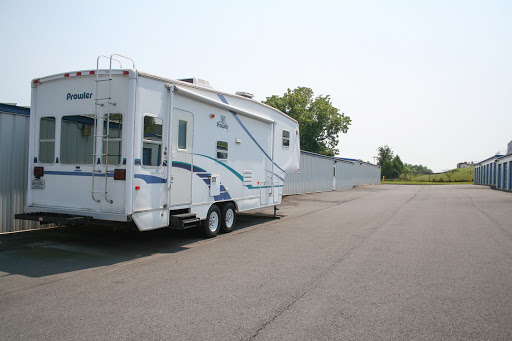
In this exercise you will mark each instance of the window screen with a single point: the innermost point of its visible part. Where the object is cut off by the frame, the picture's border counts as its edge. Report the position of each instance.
(47, 140)
(222, 150)
(286, 138)
(182, 134)
(152, 141)
(77, 139)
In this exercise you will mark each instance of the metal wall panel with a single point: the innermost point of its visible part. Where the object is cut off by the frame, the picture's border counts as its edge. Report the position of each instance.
(366, 174)
(13, 171)
(504, 173)
(344, 175)
(317, 174)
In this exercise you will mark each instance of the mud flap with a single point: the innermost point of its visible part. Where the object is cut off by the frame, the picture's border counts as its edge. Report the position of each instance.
(150, 220)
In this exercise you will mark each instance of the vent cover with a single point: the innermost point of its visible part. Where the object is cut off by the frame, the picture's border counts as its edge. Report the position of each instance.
(196, 81)
(244, 94)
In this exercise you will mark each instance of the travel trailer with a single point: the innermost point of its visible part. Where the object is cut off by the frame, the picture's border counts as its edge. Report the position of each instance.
(122, 145)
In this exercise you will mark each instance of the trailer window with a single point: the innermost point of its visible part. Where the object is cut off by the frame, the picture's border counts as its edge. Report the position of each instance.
(47, 140)
(112, 129)
(152, 141)
(77, 139)
(286, 138)
(182, 134)
(222, 150)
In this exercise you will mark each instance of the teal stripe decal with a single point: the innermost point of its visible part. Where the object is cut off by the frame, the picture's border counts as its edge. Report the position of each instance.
(238, 175)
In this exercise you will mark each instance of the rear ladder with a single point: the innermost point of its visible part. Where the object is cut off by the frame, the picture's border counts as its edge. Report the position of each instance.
(104, 136)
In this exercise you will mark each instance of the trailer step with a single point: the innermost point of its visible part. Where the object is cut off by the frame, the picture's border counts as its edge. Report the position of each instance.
(191, 222)
(184, 215)
(184, 221)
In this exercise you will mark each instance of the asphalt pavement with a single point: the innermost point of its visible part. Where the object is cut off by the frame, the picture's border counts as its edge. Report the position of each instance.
(383, 262)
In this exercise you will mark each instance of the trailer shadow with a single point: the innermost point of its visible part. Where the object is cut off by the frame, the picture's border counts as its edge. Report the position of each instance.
(47, 252)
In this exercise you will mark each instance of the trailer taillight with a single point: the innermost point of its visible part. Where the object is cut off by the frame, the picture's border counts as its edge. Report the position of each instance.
(120, 174)
(38, 172)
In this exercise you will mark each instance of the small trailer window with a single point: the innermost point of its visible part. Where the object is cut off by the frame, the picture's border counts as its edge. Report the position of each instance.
(77, 139)
(112, 129)
(182, 134)
(286, 138)
(152, 141)
(47, 140)
(222, 150)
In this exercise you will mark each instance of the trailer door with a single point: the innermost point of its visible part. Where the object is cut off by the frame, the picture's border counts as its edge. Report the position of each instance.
(182, 158)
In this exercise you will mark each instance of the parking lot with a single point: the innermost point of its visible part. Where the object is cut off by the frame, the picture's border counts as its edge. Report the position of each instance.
(383, 262)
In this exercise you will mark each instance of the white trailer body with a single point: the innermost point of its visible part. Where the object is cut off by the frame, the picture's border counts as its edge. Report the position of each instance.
(123, 145)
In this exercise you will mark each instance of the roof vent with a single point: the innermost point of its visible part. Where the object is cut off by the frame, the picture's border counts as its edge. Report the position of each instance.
(197, 81)
(245, 94)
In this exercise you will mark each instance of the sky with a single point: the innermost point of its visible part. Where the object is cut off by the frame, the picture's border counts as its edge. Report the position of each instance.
(430, 79)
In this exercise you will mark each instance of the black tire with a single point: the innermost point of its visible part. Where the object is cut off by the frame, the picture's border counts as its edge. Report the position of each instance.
(228, 218)
(212, 223)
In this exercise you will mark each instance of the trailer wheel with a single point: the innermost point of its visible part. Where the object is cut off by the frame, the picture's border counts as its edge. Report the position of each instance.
(212, 222)
(228, 218)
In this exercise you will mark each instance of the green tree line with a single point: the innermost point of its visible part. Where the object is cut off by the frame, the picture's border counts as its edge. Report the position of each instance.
(392, 166)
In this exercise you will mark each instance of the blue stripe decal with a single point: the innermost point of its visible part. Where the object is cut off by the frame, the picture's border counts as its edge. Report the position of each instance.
(277, 176)
(222, 196)
(75, 173)
(182, 165)
(151, 179)
(199, 170)
(238, 175)
(223, 99)
(205, 176)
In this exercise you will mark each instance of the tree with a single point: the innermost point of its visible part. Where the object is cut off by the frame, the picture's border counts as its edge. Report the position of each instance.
(391, 166)
(385, 155)
(398, 167)
(385, 158)
(406, 174)
(419, 169)
(319, 122)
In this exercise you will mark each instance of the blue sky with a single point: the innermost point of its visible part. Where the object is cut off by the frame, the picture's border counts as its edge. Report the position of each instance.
(431, 79)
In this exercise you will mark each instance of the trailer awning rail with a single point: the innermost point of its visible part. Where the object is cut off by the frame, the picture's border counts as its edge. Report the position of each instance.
(204, 99)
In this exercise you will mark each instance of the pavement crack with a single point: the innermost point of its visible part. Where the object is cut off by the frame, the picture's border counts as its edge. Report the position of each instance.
(277, 314)
(490, 218)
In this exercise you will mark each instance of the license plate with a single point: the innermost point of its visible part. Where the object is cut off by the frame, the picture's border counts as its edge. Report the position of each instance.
(37, 183)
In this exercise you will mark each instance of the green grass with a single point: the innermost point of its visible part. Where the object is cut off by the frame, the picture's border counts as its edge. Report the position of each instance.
(461, 176)
(403, 182)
